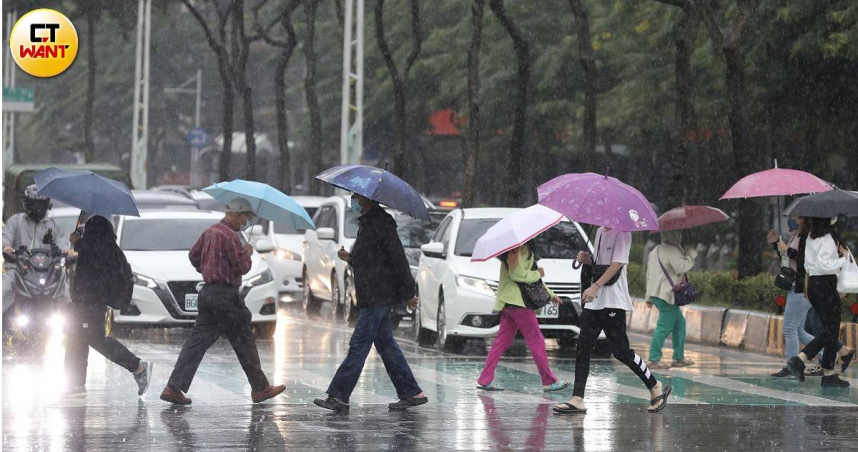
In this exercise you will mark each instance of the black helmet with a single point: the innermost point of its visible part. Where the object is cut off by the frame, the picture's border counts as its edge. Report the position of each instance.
(35, 205)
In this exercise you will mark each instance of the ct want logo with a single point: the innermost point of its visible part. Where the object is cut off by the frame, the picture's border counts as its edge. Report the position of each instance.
(43, 43)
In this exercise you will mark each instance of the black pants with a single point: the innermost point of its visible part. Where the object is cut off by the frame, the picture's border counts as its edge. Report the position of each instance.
(613, 321)
(823, 296)
(221, 311)
(87, 330)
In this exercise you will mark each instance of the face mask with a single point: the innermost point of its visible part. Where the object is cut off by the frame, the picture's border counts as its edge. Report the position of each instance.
(355, 206)
(792, 224)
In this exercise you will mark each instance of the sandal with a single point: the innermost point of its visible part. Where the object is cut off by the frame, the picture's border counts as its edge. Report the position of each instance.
(662, 398)
(682, 363)
(658, 365)
(847, 359)
(568, 408)
(490, 387)
(558, 385)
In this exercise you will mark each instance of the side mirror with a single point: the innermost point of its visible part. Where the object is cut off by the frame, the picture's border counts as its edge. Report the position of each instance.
(325, 233)
(264, 246)
(256, 230)
(433, 249)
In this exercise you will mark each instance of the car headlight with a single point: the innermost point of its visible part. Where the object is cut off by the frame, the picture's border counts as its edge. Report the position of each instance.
(286, 254)
(475, 285)
(260, 279)
(144, 281)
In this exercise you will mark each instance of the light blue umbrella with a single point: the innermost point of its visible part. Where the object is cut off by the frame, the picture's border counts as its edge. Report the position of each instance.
(267, 202)
(378, 185)
(87, 191)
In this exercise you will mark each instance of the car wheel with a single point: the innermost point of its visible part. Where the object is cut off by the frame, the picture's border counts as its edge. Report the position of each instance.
(336, 305)
(394, 318)
(110, 325)
(567, 342)
(265, 330)
(310, 303)
(350, 302)
(445, 342)
(423, 336)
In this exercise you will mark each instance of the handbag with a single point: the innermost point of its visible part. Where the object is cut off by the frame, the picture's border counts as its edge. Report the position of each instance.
(684, 293)
(534, 295)
(592, 273)
(785, 278)
(847, 279)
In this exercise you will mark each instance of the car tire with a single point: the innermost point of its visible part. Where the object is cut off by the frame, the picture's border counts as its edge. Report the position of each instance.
(350, 313)
(336, 296)
(111, 328)
(445, 342)
(567, 342)
(395, 318)
(310, 303)
(423, 336)
(265, 330)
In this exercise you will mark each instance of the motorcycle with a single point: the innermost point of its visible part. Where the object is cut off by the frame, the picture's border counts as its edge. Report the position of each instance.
(40, 287)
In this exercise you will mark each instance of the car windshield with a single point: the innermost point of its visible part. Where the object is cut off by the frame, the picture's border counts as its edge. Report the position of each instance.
(560, 242)
(283, 228)
(173, 234)
(413, 232)
(66, 223)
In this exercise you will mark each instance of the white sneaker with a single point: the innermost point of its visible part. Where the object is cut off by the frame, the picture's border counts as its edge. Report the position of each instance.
(74, 392)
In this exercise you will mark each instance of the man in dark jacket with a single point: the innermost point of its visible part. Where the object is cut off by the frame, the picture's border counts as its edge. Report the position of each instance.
(382, 277)
(101, 272)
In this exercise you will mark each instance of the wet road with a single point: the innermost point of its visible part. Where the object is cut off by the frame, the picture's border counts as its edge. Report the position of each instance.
(726, 402)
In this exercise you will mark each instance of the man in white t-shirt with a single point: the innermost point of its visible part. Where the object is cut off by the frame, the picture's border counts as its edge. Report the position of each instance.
(605, 307)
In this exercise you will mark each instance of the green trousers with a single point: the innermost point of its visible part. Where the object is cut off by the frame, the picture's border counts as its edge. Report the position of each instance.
(670, 322)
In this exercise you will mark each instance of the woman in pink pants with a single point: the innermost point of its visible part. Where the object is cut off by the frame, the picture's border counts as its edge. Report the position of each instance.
(517, 268)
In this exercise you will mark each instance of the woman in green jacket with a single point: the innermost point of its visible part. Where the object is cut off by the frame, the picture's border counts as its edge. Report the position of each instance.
(517, 268)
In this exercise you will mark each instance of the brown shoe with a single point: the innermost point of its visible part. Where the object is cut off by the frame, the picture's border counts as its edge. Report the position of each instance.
(267, 393)
(174, 396)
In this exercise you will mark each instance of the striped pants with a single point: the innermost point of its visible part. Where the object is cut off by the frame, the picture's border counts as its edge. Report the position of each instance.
(613, 321)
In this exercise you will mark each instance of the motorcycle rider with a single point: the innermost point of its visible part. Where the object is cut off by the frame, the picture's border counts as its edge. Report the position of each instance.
(30, 228)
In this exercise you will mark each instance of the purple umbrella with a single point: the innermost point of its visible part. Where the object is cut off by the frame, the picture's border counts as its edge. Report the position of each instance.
(598, 200)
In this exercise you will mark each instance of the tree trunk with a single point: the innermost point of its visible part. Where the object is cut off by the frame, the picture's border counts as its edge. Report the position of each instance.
(228, 105)
(283, 122)
(315, 145)
(473, 150)
(400, 117)
(249, 131)
(685, 35)
(748, 217)
(588, 66)
(89, 119)
(514, 173)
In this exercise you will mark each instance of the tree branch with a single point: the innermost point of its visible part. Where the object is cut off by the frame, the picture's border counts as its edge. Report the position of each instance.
(416, 36)
(284, 16)
(737, 26)
(209, 37)
(685, 5)
(712, 26)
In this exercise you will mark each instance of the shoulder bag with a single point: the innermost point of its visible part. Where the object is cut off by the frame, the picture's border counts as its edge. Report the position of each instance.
(683, 293)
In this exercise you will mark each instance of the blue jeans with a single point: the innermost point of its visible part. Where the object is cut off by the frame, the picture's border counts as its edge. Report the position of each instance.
(795, 331)
(373, 327)
(813, 324)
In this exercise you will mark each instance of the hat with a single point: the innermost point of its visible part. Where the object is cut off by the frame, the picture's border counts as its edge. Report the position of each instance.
(239, 205)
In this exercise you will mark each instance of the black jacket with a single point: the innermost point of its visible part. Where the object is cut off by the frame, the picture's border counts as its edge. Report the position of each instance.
(382, 275)
(102, 270)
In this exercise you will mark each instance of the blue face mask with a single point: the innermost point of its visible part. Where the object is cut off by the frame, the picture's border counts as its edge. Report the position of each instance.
(355, 206)
(792, 224)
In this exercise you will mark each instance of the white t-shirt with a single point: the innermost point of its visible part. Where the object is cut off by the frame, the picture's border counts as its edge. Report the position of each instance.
(613, 246)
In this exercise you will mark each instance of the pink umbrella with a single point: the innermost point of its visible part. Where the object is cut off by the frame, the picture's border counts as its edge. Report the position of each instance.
(598, 200)
(687, 217)
(776, 182)
(514, 230)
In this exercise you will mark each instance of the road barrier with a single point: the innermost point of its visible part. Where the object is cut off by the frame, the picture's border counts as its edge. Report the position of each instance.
(849, 334)
(703, 324)
(776, 345)
(735, 324)
(757, 331)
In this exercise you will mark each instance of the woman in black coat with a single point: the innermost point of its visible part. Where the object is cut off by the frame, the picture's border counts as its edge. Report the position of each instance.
(102, 273)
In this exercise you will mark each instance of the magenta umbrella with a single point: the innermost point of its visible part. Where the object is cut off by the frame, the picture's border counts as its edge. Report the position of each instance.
(776, 182)
(687, 217)
(598, 200)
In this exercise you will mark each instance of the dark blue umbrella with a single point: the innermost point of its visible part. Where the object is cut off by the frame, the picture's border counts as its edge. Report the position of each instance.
(87, 191)
(378, 185)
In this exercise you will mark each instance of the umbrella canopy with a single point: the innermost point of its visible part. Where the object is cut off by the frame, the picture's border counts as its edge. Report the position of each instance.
(514, 230)
(776, 182)
(834, 203)
(87, 191)
(687, 217)
(378, 185)
(598, 200)
(266, 201)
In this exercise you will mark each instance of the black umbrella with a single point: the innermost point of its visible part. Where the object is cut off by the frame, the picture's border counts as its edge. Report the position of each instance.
(834, 203)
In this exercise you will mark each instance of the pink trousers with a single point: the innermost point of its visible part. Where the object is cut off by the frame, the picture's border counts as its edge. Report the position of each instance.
(513, 319)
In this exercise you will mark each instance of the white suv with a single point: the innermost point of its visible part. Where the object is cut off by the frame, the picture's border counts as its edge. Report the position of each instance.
(156, 245)
(457, 296)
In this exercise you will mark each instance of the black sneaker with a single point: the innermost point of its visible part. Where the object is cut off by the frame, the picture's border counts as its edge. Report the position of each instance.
(783, 373)
(332, 403)
(833, 381)
(144, 377)
(796, 367)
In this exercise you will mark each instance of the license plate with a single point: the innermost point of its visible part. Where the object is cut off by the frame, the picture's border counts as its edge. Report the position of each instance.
(549, 311)
(191, 301)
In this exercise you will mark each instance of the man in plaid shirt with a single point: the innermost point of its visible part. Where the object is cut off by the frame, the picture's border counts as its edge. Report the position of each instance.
(222, 260)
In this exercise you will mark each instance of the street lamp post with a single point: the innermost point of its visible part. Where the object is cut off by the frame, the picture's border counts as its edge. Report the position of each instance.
(195, 146)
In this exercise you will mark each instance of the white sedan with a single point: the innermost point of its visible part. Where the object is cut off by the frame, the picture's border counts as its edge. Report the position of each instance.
(166, 284)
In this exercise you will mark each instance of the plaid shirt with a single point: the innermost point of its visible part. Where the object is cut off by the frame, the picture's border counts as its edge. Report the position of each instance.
(218, 255)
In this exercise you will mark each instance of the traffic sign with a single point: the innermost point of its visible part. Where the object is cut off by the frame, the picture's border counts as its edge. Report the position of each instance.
(18, 99)
(198, 137)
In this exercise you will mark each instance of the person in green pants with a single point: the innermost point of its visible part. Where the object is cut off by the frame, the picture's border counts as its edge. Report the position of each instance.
(676, 260)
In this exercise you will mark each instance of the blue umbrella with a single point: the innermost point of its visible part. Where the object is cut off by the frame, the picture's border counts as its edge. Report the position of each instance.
(378, 185)
(87, 191)
(267, 202)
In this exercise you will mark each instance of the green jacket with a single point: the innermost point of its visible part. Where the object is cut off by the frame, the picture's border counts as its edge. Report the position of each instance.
(519, 271)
